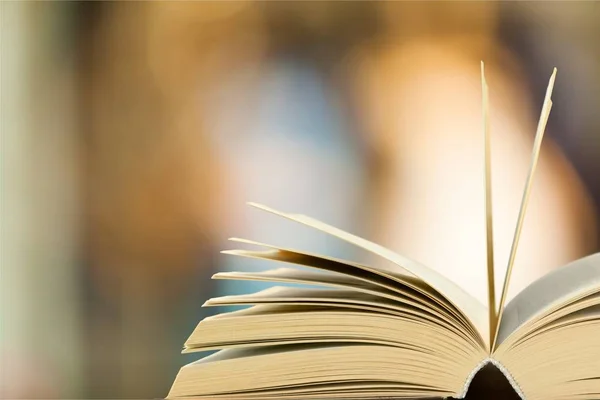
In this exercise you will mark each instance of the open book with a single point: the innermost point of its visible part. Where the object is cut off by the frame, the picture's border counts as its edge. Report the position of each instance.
(406, 332)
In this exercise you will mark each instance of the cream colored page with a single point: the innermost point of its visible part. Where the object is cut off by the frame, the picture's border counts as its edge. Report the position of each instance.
(291, 295)
(328, 279)
(300, 276)
(405, 284)
(467, 304)
(591, 313)
(397, 272)
(291, 275)
(489, 230)
(410, 285)
(537, 145)
(305, 366)
(553, 289)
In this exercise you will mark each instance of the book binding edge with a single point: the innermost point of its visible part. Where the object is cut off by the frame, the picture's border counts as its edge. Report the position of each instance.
(502, 369)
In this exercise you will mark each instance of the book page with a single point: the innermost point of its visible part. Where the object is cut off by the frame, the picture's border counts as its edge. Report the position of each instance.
(427, 310)
(299, 370)
(551, 291)
(287, 324)
(559, 361)
(590, 311)
(328, 297)
(537, 145)
(405, 285)
(474, 311)
(323, 262)
(489, 226)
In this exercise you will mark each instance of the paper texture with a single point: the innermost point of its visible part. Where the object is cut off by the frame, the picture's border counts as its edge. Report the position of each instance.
(553, 289)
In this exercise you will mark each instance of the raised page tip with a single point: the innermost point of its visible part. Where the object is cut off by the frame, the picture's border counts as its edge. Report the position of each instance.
(242, 240)
(552, 79)
(262, 207)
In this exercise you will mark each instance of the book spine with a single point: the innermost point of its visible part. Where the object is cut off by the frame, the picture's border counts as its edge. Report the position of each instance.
(500, 367)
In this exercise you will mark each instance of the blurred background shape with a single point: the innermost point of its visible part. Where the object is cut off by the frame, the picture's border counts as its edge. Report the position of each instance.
(289, 117)
(40, 304)
(133, 134)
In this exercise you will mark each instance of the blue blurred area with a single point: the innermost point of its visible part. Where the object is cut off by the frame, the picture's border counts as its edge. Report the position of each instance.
(296, 154)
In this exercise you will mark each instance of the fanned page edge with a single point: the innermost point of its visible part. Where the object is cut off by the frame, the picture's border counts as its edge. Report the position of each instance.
(513, 383)
(470, 307)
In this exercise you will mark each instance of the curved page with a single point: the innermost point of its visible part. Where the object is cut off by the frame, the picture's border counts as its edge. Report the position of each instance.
(467, 304)
(551, 291)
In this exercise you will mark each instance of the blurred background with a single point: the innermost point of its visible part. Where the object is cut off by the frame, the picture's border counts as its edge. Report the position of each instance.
(133, 133)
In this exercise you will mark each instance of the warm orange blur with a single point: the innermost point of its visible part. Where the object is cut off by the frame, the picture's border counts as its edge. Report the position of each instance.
(134, 133)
